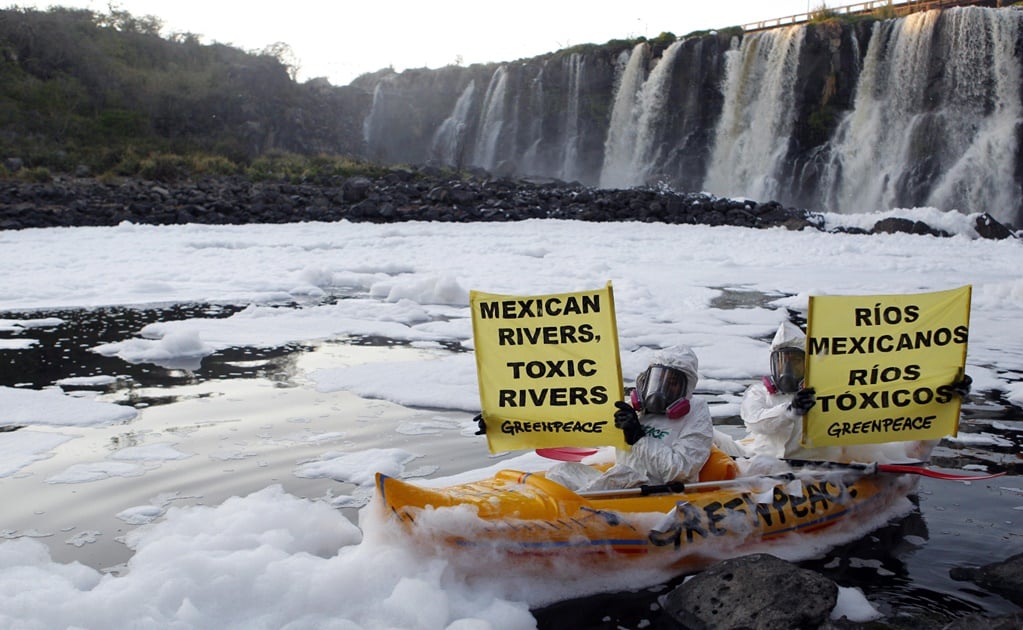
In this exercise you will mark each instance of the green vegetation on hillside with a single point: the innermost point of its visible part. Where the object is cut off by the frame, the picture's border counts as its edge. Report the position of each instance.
(106, 94)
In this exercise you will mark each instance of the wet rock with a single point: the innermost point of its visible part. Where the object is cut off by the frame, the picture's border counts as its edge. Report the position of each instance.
(356, 189)
(987, 227)
(1004, 578)
(973, 622)
(755, 591)
(420, 194)
(894, 225)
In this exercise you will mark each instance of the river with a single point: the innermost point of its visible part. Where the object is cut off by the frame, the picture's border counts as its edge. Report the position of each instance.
(247, 417)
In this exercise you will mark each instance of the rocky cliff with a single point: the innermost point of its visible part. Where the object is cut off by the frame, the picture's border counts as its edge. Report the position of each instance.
(846, 116)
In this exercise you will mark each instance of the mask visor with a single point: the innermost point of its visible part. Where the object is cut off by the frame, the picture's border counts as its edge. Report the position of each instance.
(662, 387)
(787, 365)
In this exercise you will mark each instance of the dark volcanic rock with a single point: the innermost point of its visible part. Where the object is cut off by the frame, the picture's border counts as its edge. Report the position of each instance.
(423, 194)
(1004, 578)
(896, 224)
(756, 591)
(987, 227)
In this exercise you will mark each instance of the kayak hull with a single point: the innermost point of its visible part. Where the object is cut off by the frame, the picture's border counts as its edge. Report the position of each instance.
(517, 512)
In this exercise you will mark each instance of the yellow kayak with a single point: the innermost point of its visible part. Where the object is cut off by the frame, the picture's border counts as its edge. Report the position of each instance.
(524, 513)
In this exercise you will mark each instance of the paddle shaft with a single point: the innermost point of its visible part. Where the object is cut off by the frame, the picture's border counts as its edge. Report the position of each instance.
(913, 468)
(909, 468)
(679, 488)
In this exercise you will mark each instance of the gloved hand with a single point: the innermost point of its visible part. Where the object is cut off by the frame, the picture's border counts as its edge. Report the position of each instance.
(803, 401)
(627, 420)
(962, 386)
(481, 423)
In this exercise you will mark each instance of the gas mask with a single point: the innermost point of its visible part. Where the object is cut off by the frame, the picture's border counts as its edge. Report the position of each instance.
(787, 365)
(661, 390)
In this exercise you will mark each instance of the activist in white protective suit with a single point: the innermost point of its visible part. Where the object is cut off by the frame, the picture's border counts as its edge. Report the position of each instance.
(773, 411)
(670, 433)
(773, 408)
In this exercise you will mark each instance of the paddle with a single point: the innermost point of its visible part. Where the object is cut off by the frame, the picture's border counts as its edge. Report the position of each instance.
(913, 468)
(677, 487)
(565, 453)
(909, 468)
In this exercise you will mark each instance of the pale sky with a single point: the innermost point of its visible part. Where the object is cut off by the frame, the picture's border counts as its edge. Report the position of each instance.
(341, 40)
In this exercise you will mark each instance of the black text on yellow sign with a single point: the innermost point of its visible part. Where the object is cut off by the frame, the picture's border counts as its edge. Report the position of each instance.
(882, 366)
(548, 368)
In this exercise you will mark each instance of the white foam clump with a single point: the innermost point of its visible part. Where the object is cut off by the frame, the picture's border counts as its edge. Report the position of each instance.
(55, 408)
(294, 563)
(176, 349)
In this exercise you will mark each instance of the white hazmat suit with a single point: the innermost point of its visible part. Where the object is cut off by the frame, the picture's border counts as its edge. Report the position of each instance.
(670, 449)
(775, 428)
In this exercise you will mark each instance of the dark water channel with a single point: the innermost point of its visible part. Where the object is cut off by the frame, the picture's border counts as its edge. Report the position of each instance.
(248, 416)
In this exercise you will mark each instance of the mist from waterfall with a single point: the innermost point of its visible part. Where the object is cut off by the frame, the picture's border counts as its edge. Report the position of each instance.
(752, 135)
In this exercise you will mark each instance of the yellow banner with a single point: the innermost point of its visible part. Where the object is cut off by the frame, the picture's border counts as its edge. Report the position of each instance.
(549, 369)
(882, 364)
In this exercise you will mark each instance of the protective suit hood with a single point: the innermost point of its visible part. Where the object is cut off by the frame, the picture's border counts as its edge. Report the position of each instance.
(682, 358)
(788, 358)
(789, 335)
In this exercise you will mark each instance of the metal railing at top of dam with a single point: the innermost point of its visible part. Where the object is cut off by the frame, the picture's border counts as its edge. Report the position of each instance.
(898, 9)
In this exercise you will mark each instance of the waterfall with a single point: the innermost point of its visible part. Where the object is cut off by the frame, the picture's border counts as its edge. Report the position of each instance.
(534, 131)
(752, 135)
(986, 76)
(653, 100)
(632, 148)
(449, 139)
(371, 125)
(923, 110)
(621, 133)
(492, 119)
(570, 142)
(939, 134)
(873, 143)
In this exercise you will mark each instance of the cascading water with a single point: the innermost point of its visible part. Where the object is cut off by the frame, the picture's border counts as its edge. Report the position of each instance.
(531, 161)
(987, 79)
(653, 101)
(449, 140)
(371, 125)
(936, 117)
(871, 146)
(631, 150)
(492, 120)
(752, 135)
(621, 133)
(570, 144)
(920, 110)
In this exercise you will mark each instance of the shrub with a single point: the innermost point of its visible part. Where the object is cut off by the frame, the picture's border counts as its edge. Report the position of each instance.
(822, 14)
(37, 174)
(213, 165)
(164, 167)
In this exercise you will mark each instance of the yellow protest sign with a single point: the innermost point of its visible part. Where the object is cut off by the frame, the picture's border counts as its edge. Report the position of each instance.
(882, 365)
(549, 369)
